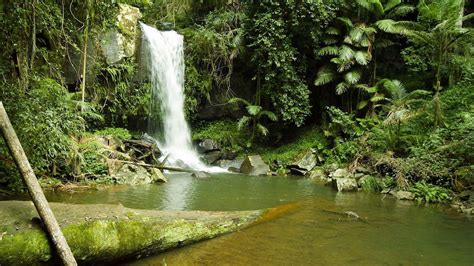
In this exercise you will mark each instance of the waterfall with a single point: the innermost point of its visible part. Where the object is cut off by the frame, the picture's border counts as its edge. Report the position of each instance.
(164, 58)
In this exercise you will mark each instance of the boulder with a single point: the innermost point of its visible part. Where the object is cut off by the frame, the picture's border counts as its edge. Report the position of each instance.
(120, 43)
(306, 161)
(157, 175)
(207, 145)
(228, 155)
(341, 173)
(254, 165)
(201, 175)
(319, 174)
(233, 169)
(226, 164)
(344, 184)
(403, 195)
(132, 174)
(212, 156)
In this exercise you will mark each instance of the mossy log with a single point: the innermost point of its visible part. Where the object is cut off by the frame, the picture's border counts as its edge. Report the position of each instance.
(108, 233)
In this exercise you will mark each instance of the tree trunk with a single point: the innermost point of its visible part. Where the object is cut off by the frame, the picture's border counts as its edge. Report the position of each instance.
(33, 34)
(41, 204)
(84, 58)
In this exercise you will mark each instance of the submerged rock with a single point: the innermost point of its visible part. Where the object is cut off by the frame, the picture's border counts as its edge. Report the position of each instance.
(201, 175)
(254, 165)
(320, 174)
(344, 184)
(99, 233)
(157, 175)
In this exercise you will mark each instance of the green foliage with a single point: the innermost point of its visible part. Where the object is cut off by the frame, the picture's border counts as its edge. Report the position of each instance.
(120, 94)
(120, 133)
(372, 184)
(272, 31)
(306, 139)
(44, 118)
(90, 158)
(225, 132)
(428, 193)
(210, 52)
(255, 114)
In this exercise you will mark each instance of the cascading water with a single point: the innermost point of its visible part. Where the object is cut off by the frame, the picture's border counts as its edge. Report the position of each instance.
(163, 52)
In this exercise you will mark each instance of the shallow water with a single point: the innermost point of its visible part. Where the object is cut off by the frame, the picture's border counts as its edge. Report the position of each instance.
(314, 232)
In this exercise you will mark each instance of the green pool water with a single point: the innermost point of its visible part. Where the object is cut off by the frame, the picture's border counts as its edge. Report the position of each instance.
(314, 233)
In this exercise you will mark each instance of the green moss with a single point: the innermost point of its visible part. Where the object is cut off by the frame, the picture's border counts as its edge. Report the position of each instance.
(109, 240)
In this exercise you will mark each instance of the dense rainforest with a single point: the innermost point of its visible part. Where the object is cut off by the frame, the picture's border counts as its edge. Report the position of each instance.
(381, 87)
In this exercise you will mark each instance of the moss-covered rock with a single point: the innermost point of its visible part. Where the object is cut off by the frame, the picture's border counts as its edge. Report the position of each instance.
(104, 233)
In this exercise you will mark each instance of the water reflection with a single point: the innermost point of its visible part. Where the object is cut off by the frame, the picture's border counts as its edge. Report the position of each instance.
(177, 193)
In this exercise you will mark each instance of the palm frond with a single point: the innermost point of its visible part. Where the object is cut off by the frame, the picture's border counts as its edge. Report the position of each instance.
(333, 31)
(352, 77)
(272, 116)
(377, 98)
(262, 129)
(341, 88)
(391, 4)
(324, 76)
(346, 53)
(328, 50)
(253, 110)
(401, 11)
(239, 100)
(362, 58)
(346, 21)
(243, 122)
(388, 25)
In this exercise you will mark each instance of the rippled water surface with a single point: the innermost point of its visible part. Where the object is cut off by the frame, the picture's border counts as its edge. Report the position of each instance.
(313, 233)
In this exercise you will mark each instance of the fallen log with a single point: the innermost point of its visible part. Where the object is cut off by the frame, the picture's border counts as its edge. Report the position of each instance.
(101, 233)
(175, 169)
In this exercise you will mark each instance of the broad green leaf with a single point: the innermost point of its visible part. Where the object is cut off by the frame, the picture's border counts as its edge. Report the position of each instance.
(362, 105)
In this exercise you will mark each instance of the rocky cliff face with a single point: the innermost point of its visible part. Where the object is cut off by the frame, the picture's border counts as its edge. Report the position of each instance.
(121, 42)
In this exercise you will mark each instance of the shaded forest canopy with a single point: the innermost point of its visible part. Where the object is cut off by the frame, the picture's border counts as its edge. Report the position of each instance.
(379, 83)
